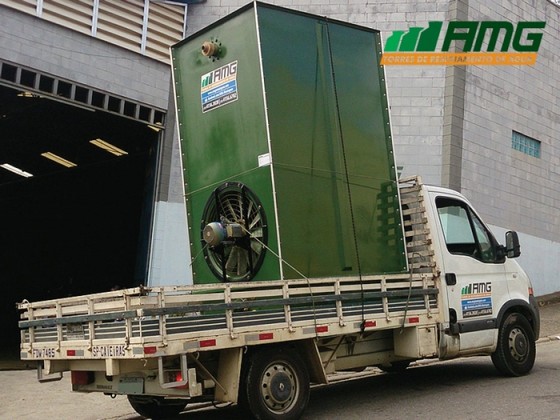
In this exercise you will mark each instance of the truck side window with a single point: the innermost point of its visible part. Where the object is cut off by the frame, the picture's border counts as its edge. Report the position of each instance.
(464, 232)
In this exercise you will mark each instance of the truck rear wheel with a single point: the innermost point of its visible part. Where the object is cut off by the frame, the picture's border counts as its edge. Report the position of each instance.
(515, 352)
(276, 385)
(156, 407)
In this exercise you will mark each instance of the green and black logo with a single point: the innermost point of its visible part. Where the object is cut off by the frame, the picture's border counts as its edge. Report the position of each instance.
(465, 43)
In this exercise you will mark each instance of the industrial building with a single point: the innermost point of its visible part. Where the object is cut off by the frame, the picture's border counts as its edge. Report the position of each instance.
(86, 151)
(91, 194)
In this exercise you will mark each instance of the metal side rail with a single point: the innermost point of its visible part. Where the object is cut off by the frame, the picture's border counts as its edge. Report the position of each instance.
(177, 320)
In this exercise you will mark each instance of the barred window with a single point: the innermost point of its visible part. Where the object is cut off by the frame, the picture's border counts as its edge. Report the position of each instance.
(526, 144)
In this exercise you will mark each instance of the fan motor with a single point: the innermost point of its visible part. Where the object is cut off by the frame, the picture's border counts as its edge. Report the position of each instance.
(215, 233)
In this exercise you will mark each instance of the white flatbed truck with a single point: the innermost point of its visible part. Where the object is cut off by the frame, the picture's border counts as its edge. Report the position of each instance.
(261, 344)
(248, 107)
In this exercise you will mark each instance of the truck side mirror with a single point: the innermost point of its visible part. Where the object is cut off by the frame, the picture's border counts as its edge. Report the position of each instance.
(513, 248)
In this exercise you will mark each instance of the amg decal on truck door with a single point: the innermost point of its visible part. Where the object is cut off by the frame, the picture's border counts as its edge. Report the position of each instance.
(476, 299)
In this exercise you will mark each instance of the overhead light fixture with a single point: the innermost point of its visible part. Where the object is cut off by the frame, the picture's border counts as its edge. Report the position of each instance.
(15, 170)
(58, 159)
(157, 127)
(108, 147)
(27, 94)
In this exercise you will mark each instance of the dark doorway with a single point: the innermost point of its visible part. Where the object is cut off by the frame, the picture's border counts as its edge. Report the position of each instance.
(70, 230)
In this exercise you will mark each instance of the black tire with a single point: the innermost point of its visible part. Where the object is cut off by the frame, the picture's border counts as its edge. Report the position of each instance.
(516, 350)
(395, 367)
(275, 385)
(156, 407)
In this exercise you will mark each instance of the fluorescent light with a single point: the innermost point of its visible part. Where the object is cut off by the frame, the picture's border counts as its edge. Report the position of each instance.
(15, 170)
(108, 147)
(27, 94)
(58, 159)
(157, 127)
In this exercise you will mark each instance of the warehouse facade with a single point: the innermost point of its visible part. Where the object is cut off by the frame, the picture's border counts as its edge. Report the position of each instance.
(99, 70)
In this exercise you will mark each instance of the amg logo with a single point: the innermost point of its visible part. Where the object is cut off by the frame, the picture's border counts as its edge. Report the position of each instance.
(218, 75)
(481, 287)
(477, 288)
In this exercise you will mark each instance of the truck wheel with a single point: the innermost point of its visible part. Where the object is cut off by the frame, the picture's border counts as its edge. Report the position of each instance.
(276, 385)
(156, 407)
(515, 351)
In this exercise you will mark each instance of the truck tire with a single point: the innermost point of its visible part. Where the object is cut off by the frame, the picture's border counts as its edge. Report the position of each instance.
(275, 385)
(515, 351)
(156, 407)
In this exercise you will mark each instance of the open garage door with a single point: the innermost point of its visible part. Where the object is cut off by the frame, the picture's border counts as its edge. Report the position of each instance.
(76, 195)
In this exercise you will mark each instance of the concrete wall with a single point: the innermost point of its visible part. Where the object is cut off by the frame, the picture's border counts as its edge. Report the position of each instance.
(509, 188)
(41, 45)
(507, 185)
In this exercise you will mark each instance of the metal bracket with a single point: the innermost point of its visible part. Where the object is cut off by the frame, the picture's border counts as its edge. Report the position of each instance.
(184, 373)
(43, 377)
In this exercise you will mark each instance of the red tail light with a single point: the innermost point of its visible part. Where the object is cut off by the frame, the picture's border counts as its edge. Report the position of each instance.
(82, 377)
(175, 376)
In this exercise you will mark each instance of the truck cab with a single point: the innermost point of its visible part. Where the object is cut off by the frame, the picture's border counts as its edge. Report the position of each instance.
(488, 296)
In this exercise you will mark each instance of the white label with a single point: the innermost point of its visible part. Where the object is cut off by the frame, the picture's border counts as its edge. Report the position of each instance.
(264, 160)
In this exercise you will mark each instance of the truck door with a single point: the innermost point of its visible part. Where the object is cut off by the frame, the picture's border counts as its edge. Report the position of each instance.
(475, 279)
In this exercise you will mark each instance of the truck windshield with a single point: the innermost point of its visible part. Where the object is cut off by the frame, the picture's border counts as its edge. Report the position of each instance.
(464, 233)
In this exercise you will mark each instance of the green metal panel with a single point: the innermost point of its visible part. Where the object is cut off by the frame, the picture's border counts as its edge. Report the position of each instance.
(331, 177)
(332, 152)
(223, 144)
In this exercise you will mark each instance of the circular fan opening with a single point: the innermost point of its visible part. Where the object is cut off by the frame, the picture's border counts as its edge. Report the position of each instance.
(237, 257)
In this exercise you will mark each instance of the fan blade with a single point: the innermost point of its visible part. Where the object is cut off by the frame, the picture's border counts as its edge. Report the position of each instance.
(242, 262)
(231, 262)
(232, 213)
(257, 247)
(237, 261)
(256, 220)
(257, 233)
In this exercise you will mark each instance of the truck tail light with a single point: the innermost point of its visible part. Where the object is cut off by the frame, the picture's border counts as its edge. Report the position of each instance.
(82, 377)
(172, 376)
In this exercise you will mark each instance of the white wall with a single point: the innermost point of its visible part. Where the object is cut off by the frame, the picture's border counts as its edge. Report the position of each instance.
(170, 262)
(540, 258)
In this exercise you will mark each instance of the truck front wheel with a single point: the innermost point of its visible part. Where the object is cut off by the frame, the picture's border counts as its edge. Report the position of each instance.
(276, 385)
(156, 407)
(515, 352)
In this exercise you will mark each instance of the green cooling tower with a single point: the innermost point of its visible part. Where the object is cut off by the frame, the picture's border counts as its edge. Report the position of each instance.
(287, 151)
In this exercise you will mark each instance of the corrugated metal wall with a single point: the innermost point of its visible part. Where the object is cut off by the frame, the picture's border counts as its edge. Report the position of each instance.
(137, 25)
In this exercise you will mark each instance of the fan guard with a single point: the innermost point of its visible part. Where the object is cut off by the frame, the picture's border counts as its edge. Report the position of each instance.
(233, 231)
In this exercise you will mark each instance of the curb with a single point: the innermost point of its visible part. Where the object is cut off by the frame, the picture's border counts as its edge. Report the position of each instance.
(548, 299)
(549, 338)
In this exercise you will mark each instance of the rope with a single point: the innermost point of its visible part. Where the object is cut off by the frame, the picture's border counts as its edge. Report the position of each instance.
(283, 261)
